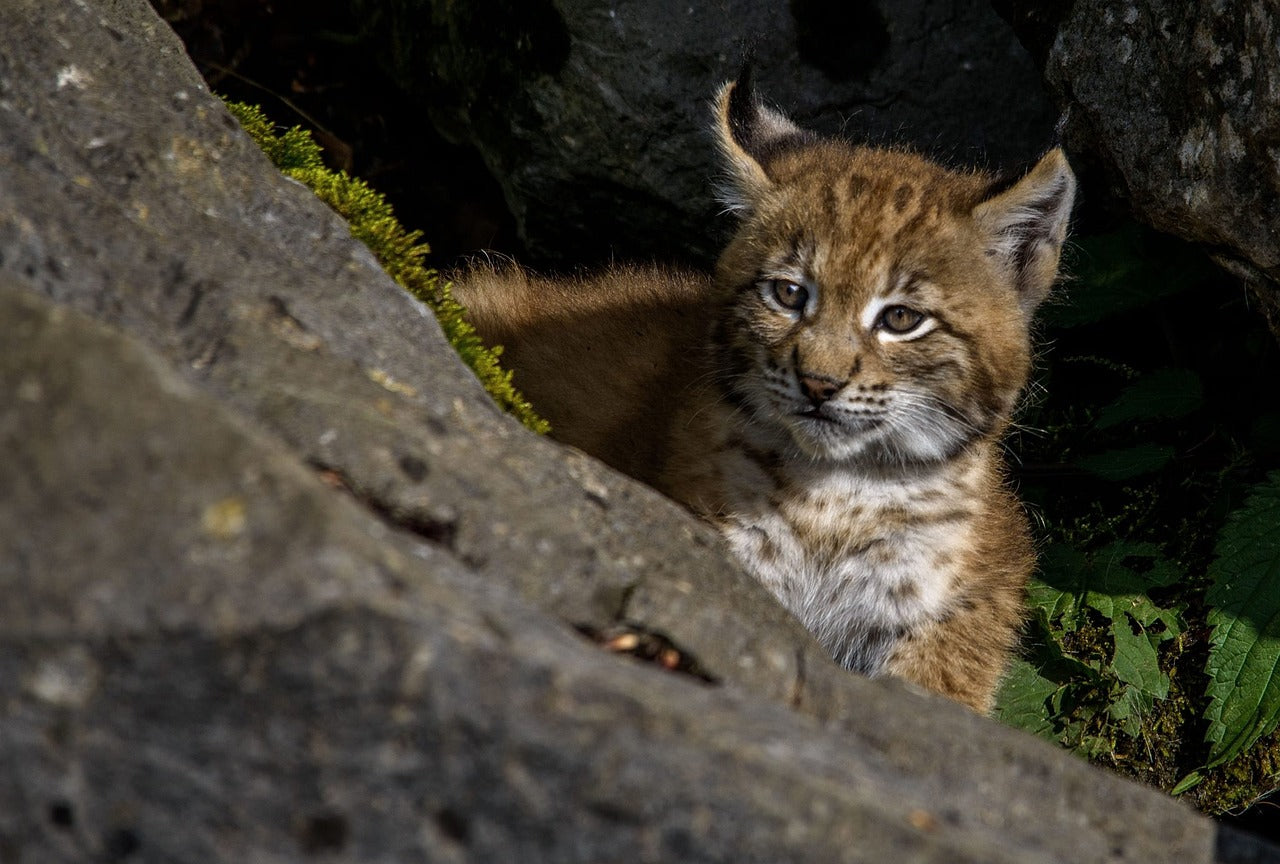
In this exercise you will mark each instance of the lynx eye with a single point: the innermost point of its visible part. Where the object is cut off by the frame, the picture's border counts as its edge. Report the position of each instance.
(788, 294)
(900, 319)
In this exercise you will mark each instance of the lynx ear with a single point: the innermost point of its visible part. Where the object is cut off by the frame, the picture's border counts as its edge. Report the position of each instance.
(1027, 225)
(750, 136)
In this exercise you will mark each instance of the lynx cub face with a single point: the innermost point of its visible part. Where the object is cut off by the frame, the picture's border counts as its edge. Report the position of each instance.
(832, 399)
(881, 303)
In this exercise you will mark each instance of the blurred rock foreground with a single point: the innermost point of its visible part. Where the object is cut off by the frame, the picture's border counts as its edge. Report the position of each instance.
(278, 584)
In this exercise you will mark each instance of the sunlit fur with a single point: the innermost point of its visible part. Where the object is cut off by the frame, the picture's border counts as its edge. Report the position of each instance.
(853, 468)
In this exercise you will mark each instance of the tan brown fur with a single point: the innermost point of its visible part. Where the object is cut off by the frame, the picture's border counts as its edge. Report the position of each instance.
(833, 399)
(599, 356)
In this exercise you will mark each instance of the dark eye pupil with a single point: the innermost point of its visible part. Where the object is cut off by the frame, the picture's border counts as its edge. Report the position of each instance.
(901, 319)
(789, 294)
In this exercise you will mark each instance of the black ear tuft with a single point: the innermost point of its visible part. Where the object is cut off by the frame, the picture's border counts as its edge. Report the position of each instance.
(744, 109)
(750, 136)
(746, 66)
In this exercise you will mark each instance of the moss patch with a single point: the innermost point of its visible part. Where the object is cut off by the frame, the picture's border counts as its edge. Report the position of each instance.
(399, 251)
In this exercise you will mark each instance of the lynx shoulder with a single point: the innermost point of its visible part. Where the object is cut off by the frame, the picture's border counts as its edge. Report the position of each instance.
(833, 397)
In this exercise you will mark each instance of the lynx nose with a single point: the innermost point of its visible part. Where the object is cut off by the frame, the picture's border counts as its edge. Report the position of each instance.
(818, 389)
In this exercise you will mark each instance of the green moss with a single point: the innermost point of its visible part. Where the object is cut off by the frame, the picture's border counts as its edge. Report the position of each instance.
(399, 251)
(1241, 783)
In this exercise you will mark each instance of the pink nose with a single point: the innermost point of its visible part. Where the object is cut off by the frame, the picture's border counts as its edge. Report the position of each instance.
(818, 390)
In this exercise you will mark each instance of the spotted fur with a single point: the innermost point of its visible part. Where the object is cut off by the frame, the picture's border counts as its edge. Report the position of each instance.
(834, 397)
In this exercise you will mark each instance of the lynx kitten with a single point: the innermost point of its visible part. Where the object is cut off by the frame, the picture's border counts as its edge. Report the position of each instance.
(833, 398)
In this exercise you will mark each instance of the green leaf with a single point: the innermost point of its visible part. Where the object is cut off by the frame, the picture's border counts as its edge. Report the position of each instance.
(1129, 709)
(1148, 614)
(1054, 592)
(1135, 661)
(1117, 465)
(1244, 650)
(1186, 784)
(1164, 394)
(1122, 567)
(1264, 432)
(1113, 580)
(1119, 578)
(1022, 700)
(1093, 746)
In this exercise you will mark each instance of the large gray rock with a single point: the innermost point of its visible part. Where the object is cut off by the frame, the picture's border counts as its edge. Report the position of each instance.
(592, 114)
(277, 584)
(1179, 104)
(209, 655)
(277, 309)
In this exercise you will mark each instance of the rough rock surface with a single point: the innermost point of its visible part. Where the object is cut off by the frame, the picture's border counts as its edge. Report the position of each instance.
(593, 114)
(277, 584)
(1179, 103)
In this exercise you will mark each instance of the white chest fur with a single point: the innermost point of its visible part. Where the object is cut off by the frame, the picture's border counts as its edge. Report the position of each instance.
(860, 560)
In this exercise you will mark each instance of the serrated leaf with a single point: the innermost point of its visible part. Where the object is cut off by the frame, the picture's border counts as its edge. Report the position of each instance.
(1264, 432)
(1061, 566)
(1073, 734)
(1125, 464)
(1022, 700)
(1160, 395)
(1093, 746)
(1142, 610)
(1051, 603)
(1128, 568)
(1244, 650)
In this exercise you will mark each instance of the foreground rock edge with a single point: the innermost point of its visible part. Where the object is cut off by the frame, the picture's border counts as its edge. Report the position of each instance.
(367, 667)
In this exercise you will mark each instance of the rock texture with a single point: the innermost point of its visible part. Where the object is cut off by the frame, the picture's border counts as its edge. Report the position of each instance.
(593, 113)
(277, 584)
(1179, 106)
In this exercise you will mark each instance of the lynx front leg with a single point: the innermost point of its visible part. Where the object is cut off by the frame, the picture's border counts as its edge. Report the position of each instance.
(962, 656)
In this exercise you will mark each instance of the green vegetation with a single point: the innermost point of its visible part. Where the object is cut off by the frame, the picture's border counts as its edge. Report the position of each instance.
(1154, 644)
(399, 251)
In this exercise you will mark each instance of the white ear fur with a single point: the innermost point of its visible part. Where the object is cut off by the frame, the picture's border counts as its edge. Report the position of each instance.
(747, 133)
(1027, 225)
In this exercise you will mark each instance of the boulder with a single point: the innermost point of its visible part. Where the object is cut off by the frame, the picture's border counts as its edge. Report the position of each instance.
(278, 584)
(593, 115)
(1177, 105)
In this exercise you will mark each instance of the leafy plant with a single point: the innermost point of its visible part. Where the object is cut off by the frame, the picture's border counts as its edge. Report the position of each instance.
(1099, 671)
(1244, 602)
(399, 251)
(1154, 642)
